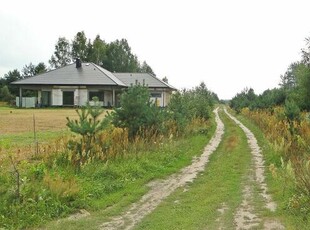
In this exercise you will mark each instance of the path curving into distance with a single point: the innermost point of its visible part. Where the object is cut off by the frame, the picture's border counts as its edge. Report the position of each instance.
(245, 216)
(159, 190)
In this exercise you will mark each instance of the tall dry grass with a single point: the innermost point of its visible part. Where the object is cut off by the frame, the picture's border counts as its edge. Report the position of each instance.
(291, 141)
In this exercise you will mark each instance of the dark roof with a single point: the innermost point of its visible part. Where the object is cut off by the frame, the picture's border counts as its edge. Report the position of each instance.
(92, 74)
(143, 79)
(88, 74)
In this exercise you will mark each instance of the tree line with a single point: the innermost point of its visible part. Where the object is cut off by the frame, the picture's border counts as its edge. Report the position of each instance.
(294, 88)
(115, 56)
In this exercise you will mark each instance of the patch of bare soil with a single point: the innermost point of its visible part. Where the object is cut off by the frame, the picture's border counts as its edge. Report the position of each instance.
(246, 217)
(159, 190)
(81, 214)
(222, 210)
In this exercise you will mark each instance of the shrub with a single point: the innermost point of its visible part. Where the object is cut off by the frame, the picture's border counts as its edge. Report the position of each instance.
(137, 113)
(187, 105)
(292, 114)
(88, 126)
(5, 94)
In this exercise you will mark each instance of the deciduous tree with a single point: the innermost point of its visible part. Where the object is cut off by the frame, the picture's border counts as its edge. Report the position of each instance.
(98, 53)
(62, 54)
(120, 57)
(32, 70)
(79, 47)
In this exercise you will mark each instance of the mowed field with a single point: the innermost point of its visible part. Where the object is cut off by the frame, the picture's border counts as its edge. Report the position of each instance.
(18, 121)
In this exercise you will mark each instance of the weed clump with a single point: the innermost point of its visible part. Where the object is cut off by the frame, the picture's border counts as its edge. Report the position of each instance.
(288, 130)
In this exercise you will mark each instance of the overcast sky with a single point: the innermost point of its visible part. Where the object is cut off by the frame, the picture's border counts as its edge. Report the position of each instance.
(227, 44)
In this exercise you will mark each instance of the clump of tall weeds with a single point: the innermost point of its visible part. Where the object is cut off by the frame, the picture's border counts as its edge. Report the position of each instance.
(288, 130)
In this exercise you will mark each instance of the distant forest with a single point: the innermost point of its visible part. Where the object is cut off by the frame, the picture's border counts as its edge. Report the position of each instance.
(293, 90)
(115, 56)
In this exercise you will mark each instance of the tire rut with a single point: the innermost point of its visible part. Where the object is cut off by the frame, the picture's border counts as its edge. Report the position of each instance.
(159, 190)
(246, 217)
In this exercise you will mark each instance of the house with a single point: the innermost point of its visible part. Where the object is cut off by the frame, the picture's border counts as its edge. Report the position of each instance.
(78, 83)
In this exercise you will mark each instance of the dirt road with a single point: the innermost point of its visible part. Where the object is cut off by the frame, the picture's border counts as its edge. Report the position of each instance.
(161, 189)
(245, 217)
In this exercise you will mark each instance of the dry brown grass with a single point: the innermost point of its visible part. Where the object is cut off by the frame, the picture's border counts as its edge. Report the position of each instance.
(16, 128)
(15, 121)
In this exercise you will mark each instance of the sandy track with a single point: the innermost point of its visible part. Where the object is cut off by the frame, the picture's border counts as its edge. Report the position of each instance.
(159, 190)
(246, 217)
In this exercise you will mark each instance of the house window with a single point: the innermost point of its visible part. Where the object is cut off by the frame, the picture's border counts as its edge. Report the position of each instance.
(99, 94)
(156, 95)
(46, 99)
(68, 97)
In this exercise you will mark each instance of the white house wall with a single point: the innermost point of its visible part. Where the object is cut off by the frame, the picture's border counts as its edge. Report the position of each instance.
(83, 97)
(167, 96)
(57, 97)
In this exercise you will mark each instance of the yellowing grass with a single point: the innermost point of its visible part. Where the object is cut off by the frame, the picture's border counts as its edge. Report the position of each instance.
(16, 121)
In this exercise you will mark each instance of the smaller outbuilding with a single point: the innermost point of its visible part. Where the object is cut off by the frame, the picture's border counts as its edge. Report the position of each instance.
(78, 83)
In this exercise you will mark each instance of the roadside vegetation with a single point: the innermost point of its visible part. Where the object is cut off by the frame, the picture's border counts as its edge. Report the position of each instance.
(282, 114)
(211, 200)
(280, 179)
(107, 160)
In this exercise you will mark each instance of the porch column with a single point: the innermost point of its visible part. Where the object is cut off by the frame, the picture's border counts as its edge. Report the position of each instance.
(39, 98)
(20, 97)
(113, 97)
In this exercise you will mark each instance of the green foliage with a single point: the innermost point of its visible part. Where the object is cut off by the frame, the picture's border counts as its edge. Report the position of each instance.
(292, 111)
(145, 68)
(268, 99)
(288, 80)
(52, 189)
(5, 94)
(62, 54)
(306, 52)
(79, 47)
(32, 70)
(115, 56)
(10, 77)
(302, 92)
(187, 105)
(88, 126)
(39, 199)
(137, 113)
(202, 101)
(97, 51)
(244, 99)
(178, 108)
(120, 58)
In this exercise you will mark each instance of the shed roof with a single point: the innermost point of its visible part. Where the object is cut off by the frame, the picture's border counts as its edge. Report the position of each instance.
(87, 74)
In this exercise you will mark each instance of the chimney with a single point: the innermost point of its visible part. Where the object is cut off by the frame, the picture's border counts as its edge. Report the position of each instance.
(78, 63)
